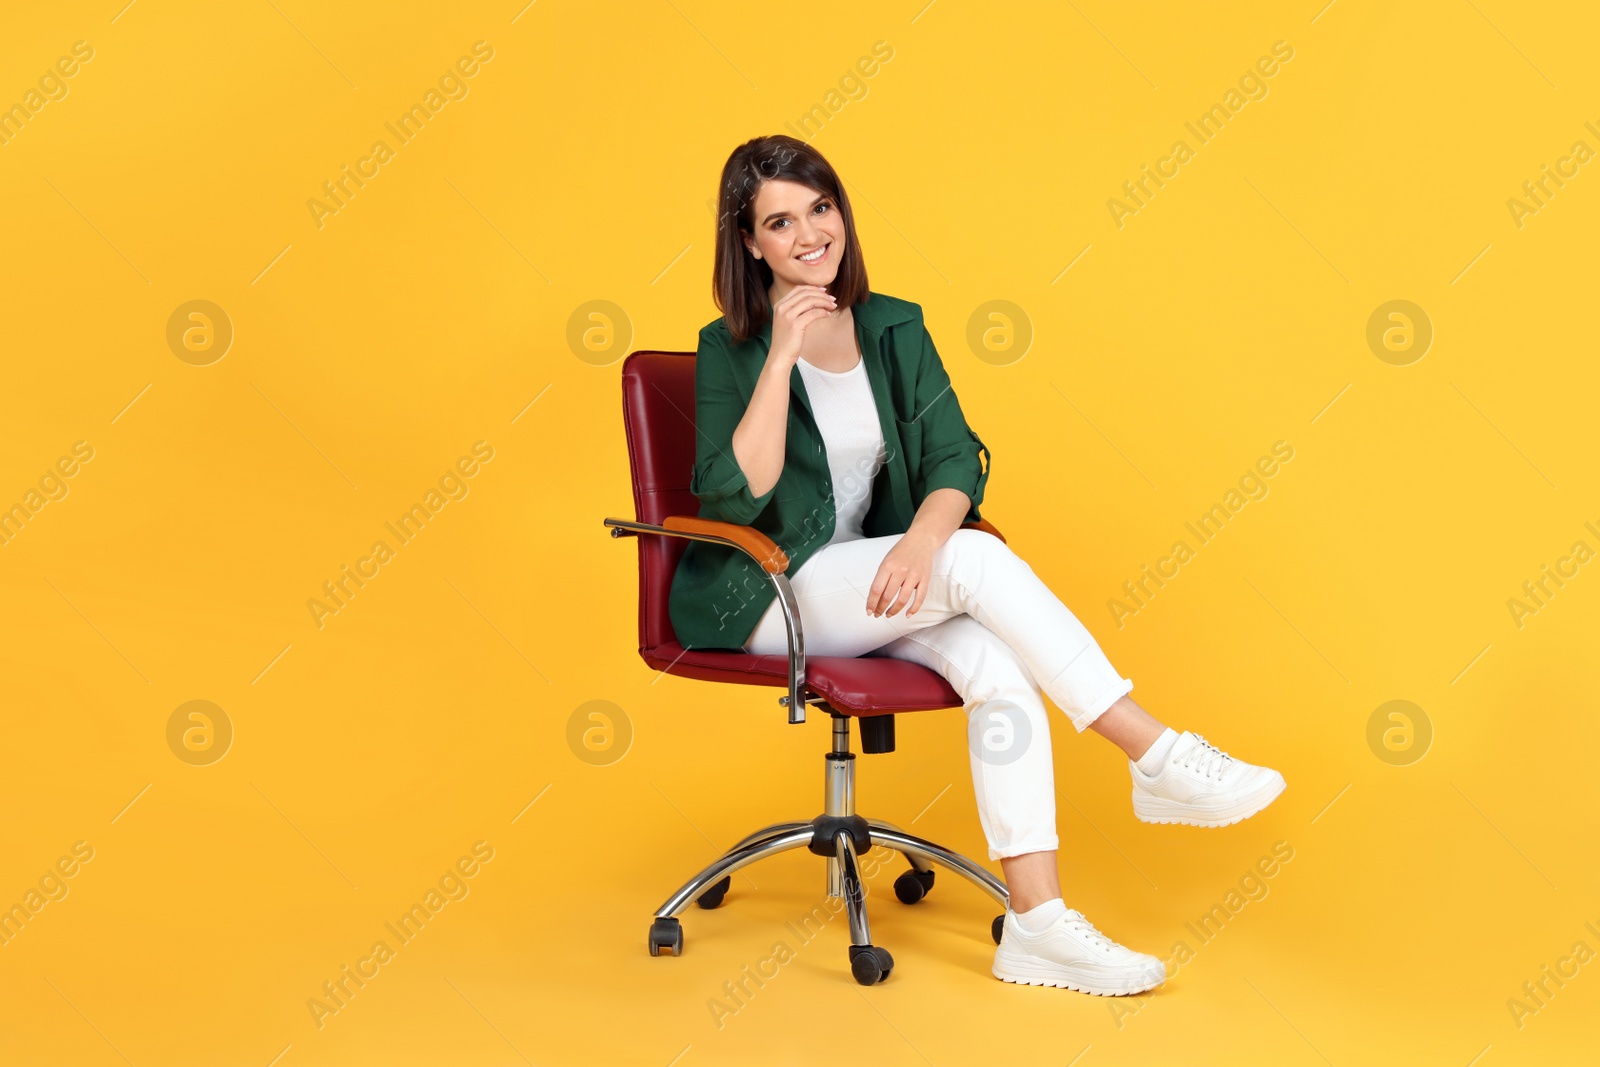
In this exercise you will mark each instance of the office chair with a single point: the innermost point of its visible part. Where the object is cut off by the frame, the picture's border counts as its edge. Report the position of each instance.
(658, 411)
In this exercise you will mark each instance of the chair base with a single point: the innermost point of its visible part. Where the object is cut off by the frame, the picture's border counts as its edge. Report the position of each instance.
(842, 836)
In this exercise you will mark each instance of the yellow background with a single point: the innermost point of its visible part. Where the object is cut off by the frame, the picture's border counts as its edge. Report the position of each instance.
(429, 313)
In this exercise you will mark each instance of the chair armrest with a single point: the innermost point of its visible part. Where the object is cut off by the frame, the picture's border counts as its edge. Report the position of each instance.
(761, 548)
(755, 544)
(747, 539)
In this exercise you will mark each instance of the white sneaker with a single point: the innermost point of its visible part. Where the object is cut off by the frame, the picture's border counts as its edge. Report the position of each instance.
(1072, 954)
(1201, 785)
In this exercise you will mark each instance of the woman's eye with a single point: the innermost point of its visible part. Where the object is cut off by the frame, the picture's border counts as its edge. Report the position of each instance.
(824, 206)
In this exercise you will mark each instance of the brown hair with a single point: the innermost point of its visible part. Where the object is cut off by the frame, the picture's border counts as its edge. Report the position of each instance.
(739, 281)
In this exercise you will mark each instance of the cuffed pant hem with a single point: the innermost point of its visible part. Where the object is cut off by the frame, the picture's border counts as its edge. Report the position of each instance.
(1101, 705)
(1043, 844)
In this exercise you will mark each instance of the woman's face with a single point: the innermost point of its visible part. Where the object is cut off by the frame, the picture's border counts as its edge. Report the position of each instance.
(794, 221)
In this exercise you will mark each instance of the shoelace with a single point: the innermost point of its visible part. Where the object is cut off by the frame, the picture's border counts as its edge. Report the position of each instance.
(1208, 758)
(1075, 919)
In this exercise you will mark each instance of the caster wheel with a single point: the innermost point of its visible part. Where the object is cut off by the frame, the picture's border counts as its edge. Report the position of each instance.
(712, 897)
(913, 885)
(666, 935)
(870, 964)
(997, 927)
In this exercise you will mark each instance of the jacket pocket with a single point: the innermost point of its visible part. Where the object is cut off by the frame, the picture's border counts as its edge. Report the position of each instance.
(911, 446)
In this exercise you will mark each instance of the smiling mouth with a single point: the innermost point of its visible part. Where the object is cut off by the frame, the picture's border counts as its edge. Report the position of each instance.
(816, 255)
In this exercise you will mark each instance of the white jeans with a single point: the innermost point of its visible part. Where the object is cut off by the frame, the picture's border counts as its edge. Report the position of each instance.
(997, 634)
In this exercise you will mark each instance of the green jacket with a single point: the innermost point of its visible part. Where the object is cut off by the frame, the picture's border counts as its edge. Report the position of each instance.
(719, 593)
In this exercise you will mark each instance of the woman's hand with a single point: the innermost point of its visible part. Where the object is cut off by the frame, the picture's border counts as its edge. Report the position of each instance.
(902, 579)
(799, 308)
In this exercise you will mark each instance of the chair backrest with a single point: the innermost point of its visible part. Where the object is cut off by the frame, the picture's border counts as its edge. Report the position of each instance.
(658, 414)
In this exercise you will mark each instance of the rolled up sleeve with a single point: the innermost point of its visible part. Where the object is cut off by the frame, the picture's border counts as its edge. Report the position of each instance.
(951, 451)
(718, 481)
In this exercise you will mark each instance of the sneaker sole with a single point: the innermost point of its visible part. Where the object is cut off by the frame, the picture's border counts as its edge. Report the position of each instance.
(1021, 976)
(1158, 811)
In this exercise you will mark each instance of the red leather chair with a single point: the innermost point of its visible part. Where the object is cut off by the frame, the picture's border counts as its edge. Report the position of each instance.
(658, 410)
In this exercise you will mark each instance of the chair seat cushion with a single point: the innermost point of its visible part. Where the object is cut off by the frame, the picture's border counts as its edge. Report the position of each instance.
(865, 685)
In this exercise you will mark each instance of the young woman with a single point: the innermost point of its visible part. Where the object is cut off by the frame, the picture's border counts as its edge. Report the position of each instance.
(825, 419)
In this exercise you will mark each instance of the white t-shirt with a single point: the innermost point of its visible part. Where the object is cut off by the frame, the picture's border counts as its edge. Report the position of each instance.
(847, 416)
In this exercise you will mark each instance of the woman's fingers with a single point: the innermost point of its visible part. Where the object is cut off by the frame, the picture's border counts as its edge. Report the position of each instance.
(894, 587)
(885, 590)
(792, 315)
(897, 594)
(911, 590)
(802, 297)
(874, 594)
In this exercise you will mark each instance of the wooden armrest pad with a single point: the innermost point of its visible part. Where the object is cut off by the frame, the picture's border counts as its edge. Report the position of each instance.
(772, 558)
